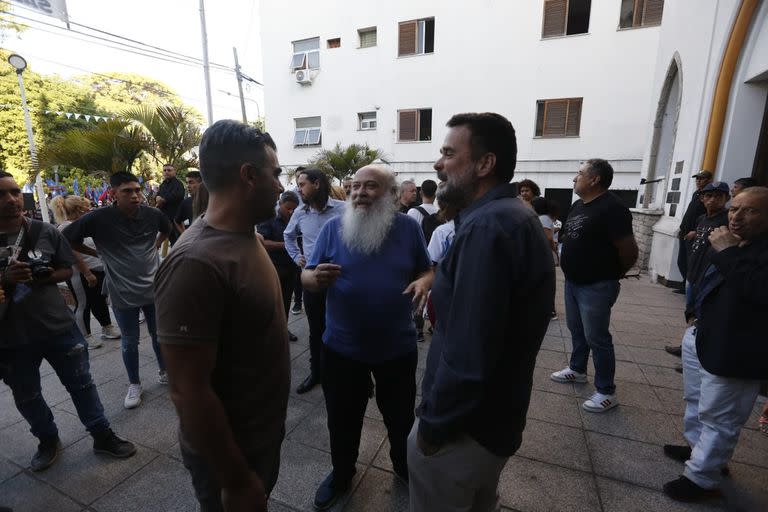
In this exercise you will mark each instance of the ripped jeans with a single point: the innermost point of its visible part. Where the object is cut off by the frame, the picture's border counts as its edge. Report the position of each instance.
(67, 353)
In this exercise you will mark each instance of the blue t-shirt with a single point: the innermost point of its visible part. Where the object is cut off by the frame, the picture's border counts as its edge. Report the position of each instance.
(367, 317)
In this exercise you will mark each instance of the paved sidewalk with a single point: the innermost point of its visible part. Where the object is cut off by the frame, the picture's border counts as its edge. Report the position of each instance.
(570, 459)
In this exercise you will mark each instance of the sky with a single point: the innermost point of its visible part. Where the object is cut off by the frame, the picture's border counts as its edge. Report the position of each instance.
(170, 24)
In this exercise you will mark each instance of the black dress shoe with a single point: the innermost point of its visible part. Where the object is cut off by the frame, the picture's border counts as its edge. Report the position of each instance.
(292, 337)
(47, 453)
(679, 291)
(310, 382)
(683, 489)
(678, 452)
(675, 350)
(108, 443)
(679, 368)
(330, 490)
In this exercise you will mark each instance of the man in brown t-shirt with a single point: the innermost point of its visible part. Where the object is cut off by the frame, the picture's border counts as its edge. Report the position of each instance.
(222, 327)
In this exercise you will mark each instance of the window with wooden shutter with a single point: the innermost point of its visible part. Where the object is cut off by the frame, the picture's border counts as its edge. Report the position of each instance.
(407, 38)
(565, 17)
(558, 117)
(641, 13)
(407, 125)
(416, 37)
(414, 125)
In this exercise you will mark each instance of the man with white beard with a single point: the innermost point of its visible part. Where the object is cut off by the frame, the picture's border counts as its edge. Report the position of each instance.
(374, 263)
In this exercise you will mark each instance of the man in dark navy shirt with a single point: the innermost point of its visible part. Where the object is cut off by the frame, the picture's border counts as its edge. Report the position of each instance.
(492, 296)
(598, 249)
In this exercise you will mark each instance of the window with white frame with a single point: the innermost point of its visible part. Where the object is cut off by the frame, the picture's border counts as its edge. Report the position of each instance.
(366, 121)
(307, 131)
(367, 37)
(306, 54)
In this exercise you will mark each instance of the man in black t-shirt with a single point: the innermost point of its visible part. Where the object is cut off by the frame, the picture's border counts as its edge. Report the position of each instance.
(686, 233)
(169, 197)
(184, 217)
(598, 249)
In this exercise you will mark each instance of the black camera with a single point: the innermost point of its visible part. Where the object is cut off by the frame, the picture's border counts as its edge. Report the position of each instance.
(40, 268)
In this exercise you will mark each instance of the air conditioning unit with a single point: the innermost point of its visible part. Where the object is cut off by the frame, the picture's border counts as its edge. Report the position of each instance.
(303, 77)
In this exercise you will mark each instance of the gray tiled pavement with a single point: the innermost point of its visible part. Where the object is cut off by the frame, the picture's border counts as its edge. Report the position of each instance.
(569, 460)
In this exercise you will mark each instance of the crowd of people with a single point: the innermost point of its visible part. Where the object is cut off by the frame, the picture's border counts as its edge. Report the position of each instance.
(368, 262)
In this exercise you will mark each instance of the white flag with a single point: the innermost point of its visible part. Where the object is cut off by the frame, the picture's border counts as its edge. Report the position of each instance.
(54, 8)
(68, 114)
(87, 117)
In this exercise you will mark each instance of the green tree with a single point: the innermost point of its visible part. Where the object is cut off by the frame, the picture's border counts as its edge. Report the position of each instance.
(341, 162)
(174, 133)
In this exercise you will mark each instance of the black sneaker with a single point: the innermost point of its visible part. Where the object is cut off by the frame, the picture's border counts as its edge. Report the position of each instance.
(109, 444)
(675, 350)
(420, 337)
(330, 490)
(296, 310)
(683, 489)
(677, 452)
(292, 337)
(47, 453)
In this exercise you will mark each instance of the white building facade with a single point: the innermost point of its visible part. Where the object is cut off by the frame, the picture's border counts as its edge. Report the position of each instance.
(575, 78)
(709, 111)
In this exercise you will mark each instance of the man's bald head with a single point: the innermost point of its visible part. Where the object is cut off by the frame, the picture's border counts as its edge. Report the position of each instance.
(748, 215)
(381, 173)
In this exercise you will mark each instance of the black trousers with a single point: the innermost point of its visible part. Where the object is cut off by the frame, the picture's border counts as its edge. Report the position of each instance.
(298, 290)
(314, 305)
(682, 259)
(95, 302)
(287, 275)
(345, 385)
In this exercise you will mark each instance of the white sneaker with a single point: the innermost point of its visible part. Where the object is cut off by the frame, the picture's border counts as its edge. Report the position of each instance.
(93, 342)
(162, 377)
(133, 398)
(568, 375)
(600, 403)
(110, 332)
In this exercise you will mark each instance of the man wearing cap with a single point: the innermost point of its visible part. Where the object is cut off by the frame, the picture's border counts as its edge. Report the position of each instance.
(724, 349)
(687, 230)
(713, 197)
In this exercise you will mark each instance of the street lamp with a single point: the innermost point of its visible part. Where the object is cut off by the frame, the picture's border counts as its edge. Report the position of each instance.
(19, 63)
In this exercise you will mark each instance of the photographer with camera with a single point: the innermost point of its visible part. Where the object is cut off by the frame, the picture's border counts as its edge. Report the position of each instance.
(36, 324)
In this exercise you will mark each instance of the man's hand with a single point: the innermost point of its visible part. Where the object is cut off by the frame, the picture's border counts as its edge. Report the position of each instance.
(159, 201)
(90, 279)
(721, 238)
(420, 290)
(302, 261)
(17, 272)
(689, 236)
(251, 498)
(2, 296)
(326, 274)
(259, 237)
(424, 447)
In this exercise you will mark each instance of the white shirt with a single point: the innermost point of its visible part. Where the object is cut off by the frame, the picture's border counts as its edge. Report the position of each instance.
(418, 216)
(441, 240)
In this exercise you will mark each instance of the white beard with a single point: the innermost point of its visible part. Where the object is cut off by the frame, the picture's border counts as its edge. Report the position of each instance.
(364, 230)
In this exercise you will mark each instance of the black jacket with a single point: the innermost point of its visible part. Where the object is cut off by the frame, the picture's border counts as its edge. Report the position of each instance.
(172, 190)
(695, 209)
(731, 340)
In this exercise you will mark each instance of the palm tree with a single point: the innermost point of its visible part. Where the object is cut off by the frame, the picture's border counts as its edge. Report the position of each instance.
(341, 162)
(174, 133)
(102, 150)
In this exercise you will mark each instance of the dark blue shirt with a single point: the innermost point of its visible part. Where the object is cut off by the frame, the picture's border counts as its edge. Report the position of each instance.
(367, 316)
(273, 230)
(492, 296)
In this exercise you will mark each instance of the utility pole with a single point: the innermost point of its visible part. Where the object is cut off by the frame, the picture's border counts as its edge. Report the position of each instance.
(206, 66)
(240, 84)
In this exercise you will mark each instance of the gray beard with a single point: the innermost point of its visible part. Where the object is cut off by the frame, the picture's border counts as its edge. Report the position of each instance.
(365, 231)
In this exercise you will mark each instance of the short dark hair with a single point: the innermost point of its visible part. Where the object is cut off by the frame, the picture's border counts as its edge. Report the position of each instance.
(540, 206)
(122, 177)
(194, 175)
(225, 146)
(491, 133)
(429, 188)
(315, 175)
(746, 182)
(531, 185)
(4, 174)
(602, 169)
(289, 196)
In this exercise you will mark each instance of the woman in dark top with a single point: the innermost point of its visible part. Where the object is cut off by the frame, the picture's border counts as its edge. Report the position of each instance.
(272, 231)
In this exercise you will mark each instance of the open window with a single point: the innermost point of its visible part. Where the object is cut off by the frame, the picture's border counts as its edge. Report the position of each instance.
(641, 13)
(414, 125)
(306, 54)
(416, 37)
(307, 131)
(565, 17)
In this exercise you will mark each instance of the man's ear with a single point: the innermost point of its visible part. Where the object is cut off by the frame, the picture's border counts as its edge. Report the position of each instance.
(486, 164)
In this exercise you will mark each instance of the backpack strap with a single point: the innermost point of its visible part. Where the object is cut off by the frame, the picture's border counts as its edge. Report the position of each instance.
(423, 212)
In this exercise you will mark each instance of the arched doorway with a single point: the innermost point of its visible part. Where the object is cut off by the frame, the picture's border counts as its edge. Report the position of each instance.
(664, 134)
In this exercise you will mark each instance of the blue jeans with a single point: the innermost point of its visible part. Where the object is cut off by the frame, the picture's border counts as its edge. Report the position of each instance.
(67, 353)
(588, 316)
(128, 321)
